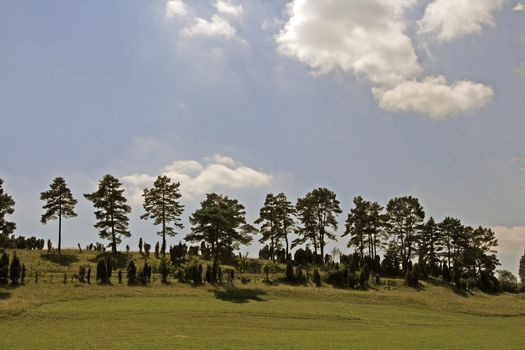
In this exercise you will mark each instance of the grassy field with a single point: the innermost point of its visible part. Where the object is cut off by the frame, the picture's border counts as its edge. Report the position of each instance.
(53, 315)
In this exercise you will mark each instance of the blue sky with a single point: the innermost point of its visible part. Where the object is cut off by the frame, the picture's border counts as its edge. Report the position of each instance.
(373, 98)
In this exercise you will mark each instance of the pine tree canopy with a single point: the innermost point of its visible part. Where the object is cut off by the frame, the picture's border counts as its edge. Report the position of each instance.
(112, 210)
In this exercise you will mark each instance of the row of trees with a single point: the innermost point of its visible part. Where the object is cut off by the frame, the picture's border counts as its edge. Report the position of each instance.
(220, 225)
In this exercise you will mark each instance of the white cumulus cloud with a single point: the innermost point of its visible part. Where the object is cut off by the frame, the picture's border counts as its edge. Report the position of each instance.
(363, 37)
(451, 19)
(434, 96)
(176, 8)
(226, 7)
(368, 38)
(214, 173)
(216, 27)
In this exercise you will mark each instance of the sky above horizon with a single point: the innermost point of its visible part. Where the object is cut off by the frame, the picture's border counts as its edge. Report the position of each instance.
(378, 98)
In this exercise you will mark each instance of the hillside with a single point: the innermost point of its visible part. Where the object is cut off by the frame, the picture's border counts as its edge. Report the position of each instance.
(52, 314)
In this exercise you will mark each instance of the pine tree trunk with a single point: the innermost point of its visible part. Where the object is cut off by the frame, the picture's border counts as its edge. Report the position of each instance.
(60, 231)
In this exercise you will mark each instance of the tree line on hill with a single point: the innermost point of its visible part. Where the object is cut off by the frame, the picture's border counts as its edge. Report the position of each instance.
(457, 253)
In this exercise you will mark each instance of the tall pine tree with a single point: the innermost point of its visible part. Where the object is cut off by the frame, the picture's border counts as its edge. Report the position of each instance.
(112, 210)
(59, 203)
(270, 224)
(318, 212)
(221, 224)
(286, 213)
(7, 207)
(161, 204)
(404, 219)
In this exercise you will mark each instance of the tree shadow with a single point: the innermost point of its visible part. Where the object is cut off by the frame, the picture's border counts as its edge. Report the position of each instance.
(240, 295)
(61, 259)
(120, 260)
(4, 295)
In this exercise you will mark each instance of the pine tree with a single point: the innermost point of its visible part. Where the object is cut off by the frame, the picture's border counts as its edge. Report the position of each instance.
(364, 225)
(7, 207)
(317, 212)
(404, 219)
(59, 203)
(162, 205)
(286, 215)
(270, 224)
(112, 210)
(431, 246)
(221, 224)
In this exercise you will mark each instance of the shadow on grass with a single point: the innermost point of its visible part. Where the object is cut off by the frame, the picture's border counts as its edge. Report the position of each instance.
(120, 260)
(240, 295)
(63, 259)
(4, 295)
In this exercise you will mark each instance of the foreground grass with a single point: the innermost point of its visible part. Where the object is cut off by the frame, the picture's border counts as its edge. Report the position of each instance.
(51, 315)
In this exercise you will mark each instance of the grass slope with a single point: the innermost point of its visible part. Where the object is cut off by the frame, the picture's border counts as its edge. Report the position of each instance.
(52, 315)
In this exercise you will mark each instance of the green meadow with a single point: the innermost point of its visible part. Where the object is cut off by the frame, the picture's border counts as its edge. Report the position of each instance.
(51, 314)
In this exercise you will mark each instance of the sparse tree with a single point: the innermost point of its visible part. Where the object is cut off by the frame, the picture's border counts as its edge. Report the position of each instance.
(7, 207)
(112, 210)
(59, 203)
(162, 205)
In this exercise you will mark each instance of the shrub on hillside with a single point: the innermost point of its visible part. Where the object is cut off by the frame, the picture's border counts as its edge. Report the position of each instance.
(164, 271)
(102, 273)
(132, 273)
(317, 278)
(289, 277)
(4, 269)
(15, 270)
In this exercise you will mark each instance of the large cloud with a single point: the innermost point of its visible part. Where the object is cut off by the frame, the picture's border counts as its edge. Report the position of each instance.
(452, 19)
(368, 38)
(434, 96)
(214, 173)
(365, 37)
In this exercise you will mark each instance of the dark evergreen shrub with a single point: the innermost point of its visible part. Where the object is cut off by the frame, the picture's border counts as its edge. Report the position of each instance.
(362, 280)
(132, 273)
(163, 269)
(119, 276)
(289, 272)
(317, 278)
(4, 269)
(15, 270)
(102, 276)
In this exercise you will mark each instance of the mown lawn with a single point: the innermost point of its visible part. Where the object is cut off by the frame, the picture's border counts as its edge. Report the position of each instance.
(51, 315)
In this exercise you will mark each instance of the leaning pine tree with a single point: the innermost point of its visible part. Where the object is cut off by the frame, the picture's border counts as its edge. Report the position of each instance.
(112, 210)
(161, 204)
(59, 203)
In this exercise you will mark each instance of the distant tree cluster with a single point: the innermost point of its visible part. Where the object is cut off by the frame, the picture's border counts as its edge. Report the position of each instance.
(412, 246)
